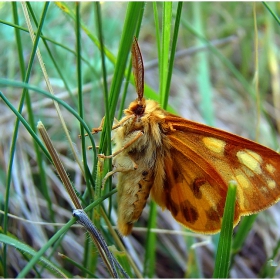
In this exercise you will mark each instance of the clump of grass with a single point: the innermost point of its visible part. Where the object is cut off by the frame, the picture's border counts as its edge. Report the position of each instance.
(225, 77)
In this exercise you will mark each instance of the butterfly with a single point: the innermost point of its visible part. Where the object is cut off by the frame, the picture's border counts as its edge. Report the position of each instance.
(186, 166)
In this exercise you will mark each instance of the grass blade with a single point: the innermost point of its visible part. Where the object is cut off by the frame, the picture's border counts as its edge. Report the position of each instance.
(222, 262)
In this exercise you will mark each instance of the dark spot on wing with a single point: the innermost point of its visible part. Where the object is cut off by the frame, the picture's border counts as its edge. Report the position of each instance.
(172, 206)
(213, 215)
(189, 211)
(177, 175)
(197, 183)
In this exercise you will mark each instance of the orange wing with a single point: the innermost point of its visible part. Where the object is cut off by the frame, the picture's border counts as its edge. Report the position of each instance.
(203, 160)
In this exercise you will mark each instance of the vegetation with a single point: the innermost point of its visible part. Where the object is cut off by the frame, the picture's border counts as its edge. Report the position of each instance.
(223, 70)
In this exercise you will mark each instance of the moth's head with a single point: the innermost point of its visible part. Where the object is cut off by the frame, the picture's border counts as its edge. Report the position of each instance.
(144, 108)
(136, 107)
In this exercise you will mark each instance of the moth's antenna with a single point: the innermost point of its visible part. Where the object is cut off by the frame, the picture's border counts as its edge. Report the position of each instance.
(138, 69)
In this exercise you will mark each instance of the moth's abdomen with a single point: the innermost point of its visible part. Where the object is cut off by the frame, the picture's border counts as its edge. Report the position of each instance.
(133, 192)
(137, 168)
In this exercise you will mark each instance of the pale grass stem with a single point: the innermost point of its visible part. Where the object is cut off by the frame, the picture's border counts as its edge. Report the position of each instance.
(58, 165)
(79, 213)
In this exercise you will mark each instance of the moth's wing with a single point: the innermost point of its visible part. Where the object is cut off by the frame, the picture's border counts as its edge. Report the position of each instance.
(202, 161)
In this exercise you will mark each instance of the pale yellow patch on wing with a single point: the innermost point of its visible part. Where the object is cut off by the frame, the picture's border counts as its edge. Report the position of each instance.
(242, 181)
(240, 198)
(210, 195)
(270, 168)
(215, 145)
(242, 184)
(250, 159)
(271, 184)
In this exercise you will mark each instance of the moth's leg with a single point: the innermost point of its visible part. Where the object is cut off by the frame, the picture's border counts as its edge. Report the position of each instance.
(138, 135)
(119, 169)
(116, 125)
(133, 166)
(119, 123)
(97, 129)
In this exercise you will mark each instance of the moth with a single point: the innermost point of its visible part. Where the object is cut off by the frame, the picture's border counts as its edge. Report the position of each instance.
(186, 166)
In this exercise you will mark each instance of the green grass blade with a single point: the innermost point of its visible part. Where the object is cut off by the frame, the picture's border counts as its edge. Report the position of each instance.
(272, 12)
(131, 20)
(244, 228)
(156, 17)
(18, 40)
(150, 245)
(203, 76)
(165, 46)
(222, 261)
(28, 251)
(270, 266)
(40, 253)
(80, 92)
(104, 74)
(121, 257)
(172, 54)
(76, 264)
